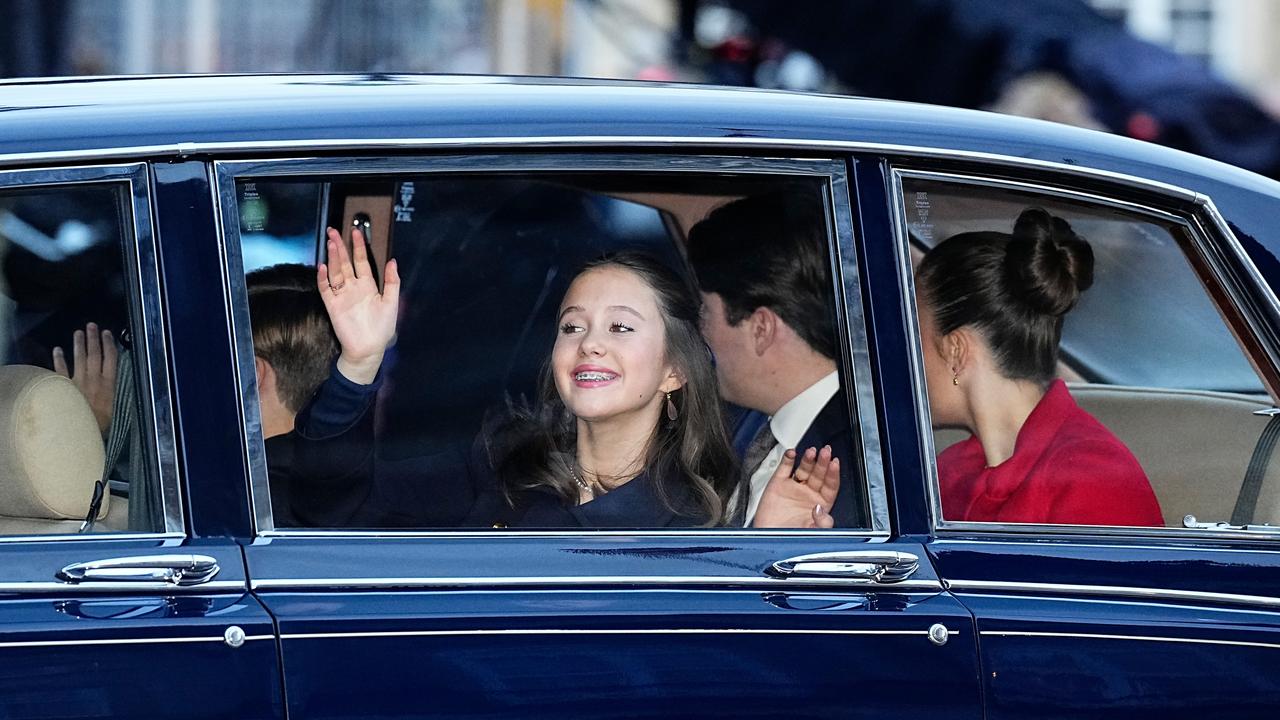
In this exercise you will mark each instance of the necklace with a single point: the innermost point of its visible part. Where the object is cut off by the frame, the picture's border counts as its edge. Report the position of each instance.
(573, 470)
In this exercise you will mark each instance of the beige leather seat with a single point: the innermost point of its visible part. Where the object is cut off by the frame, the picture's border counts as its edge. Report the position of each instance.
(1194, 445)
(51, 453)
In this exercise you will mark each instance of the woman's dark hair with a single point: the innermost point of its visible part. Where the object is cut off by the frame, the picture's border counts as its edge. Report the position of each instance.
(689, 460)
(1013, 288)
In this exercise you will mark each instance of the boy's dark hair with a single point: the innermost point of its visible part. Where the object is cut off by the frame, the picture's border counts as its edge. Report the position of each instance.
(769, 251)
(291, 329)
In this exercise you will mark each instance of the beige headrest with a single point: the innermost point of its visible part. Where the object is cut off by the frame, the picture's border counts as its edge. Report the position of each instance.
(51, 451)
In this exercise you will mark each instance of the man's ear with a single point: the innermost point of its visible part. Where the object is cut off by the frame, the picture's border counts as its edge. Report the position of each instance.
(763, 323)
(266, 376)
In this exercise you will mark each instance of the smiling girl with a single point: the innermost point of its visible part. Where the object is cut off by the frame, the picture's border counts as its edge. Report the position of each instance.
(627, 431)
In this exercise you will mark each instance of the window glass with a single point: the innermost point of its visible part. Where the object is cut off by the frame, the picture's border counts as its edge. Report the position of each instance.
(65, 310)
(518, 391)
(1155, 421)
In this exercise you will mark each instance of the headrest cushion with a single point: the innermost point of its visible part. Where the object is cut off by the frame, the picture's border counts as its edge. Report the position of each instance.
(51, 451)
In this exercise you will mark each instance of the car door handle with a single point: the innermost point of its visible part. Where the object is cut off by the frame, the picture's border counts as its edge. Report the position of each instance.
(879, 566)
(182, 570)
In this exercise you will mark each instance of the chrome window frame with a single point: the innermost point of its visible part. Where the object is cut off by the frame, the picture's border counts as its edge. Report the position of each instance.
(851, 320)
(146, 310)
(1243, 291)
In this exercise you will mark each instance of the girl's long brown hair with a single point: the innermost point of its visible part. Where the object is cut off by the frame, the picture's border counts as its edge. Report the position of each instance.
(689, 459)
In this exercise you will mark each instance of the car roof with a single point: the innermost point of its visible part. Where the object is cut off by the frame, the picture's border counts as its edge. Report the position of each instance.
(49, 120)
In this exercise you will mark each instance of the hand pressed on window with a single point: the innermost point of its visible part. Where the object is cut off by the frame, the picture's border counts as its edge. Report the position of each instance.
(93, 357)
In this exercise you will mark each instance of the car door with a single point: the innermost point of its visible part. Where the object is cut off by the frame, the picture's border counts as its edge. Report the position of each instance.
(1097, 621)
(131, 613)
(574, 622)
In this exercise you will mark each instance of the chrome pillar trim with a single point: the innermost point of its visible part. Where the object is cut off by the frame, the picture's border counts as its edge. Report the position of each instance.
(1140, 638)
(588, 141)
(152, 360)
(603, 631)
(852, 320)
(126, 641)
(1252, 285)
(618, 581)
(1139, 593)
(907, 288)
(833, 171)
(141, 266)
(235, 291)
(132, 588)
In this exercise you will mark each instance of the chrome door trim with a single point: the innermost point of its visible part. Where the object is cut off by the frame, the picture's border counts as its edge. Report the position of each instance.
(188, 149)
(576, 581)
(833, 170)
(125, 641)
(1145, 638)
(1239, 296)
(97, 536)
(604, 631)
(684, 533)
(141, 268)
(1140, 593)
(128, 588)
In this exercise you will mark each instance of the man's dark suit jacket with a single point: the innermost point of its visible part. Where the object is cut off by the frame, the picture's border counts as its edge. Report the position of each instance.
(830, 427)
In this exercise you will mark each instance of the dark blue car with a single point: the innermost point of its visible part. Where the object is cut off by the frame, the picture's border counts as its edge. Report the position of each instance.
(148, 568)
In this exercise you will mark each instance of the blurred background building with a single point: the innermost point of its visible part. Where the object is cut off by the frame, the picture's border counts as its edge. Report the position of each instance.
(1201, 75)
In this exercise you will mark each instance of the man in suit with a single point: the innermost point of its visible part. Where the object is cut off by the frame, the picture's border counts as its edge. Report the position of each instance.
(768, 316)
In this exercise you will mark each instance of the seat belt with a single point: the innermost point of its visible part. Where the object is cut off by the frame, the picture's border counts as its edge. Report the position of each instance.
(1251, 488)
(122, 422)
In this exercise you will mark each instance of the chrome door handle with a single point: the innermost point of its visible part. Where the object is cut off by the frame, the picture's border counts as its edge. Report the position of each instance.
(879, 566)
(172, 569)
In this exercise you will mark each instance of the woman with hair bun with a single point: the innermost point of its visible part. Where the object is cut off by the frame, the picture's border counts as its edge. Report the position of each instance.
(991, 309)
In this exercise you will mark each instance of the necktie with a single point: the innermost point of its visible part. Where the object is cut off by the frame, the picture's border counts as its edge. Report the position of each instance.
(757, 449)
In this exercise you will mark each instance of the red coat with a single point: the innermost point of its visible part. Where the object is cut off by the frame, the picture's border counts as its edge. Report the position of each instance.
(1066, 468)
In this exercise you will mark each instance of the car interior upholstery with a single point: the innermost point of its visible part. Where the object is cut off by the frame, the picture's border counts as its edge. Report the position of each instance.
(1203, 477)
(51, 453)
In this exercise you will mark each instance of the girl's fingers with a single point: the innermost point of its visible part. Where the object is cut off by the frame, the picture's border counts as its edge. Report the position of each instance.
(822, 518)
(831, 483)
(806, 466)
(339, 265)
(784, 467)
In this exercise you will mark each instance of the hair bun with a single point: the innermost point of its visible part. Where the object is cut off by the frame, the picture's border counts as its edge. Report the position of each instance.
(1047, 265)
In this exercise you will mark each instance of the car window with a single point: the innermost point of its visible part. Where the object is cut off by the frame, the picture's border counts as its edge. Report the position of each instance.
(1156, 424)
(78, 453)
(471, 419)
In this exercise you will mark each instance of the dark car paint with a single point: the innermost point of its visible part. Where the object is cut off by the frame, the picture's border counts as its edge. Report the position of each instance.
(425, 651)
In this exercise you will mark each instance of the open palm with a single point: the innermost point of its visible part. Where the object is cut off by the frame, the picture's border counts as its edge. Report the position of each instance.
(802, 499)
(364, 320)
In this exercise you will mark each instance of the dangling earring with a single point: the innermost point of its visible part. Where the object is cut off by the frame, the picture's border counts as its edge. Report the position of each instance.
(671, 409)
(955, 377)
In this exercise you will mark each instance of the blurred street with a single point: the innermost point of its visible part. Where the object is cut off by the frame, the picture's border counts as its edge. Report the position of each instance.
(1199, 75)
